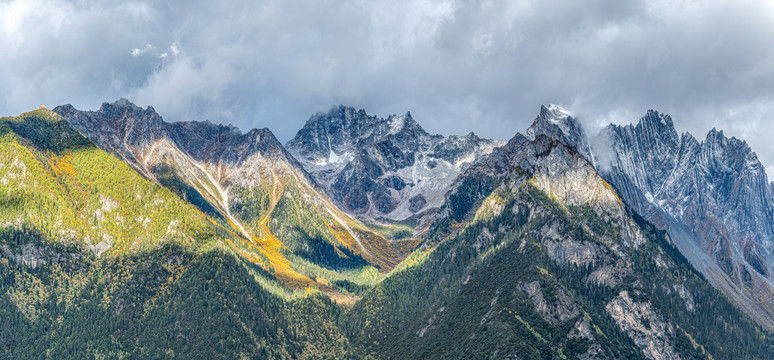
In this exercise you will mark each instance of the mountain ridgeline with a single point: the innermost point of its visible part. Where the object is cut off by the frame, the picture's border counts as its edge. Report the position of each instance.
(126, 236)
(549, 263)
(383, 168)
(715, 188)
(712, 196)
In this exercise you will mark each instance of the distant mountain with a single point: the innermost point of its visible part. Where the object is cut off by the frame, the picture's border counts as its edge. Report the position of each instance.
(712, 196)
(536, 256)
(383, 168)
(248, 182)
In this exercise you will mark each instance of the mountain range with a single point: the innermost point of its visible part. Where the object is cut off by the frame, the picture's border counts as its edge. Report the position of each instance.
(711, 196)
(126, 236)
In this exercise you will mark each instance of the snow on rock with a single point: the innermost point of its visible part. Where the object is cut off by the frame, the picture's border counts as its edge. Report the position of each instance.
(383, 168)
(715, 188)
(558, 124)
(712, 195)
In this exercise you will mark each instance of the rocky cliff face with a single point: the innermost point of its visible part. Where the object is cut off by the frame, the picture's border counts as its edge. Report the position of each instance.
(716, 189)
(382, 168)
(712, 196)
(557, 123)
(247, 182)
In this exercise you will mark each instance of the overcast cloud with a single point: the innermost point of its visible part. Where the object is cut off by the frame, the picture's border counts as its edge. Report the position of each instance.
(457, 66)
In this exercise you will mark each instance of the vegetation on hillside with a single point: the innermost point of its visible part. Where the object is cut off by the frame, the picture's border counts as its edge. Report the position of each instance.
(166, 303)
(97, 262)
(470, 297)
(55, 181)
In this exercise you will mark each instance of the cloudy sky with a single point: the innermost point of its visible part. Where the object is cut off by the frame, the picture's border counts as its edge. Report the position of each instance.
(457, 66)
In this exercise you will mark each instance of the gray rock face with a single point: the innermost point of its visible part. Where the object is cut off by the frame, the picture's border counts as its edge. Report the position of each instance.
(382, 168)
(716, 188)
(557, 123)
(712, 197)
(633, 316)
(558, 311)
(648, 152)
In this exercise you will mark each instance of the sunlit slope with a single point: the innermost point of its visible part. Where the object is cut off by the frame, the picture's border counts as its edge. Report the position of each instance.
(57, 183)
(247, 183)
(96, 261)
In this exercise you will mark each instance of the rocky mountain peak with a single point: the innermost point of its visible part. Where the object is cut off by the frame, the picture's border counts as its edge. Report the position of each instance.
(116, 125)
(382, 167)
(206, 125)
(716, 138)
(553, 111)
(263, 134)
(125, 110)
(122, 102)
(343, 115)
(712, 196)
(559, 124)
(338, 132)
(137, 135)
(657, 117)
(404, 124)
(343, 112)
(657, 127)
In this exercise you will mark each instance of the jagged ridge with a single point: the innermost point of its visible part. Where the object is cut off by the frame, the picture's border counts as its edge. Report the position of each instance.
(712, 196)
(383, 168)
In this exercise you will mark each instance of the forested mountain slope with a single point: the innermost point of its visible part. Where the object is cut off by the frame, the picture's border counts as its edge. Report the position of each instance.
(56, 183)
(98, 262)
(537, 257)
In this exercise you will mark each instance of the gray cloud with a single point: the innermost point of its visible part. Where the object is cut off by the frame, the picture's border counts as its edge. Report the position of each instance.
(457, 65)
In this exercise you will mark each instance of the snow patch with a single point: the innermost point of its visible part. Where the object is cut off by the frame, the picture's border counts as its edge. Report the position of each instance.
(333, 158)
(558, 109)
(397, 123)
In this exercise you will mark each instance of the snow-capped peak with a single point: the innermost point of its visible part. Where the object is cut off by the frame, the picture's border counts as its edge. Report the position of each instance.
(554, 113)
(387, 168)
(559, 124)
(397, 123)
